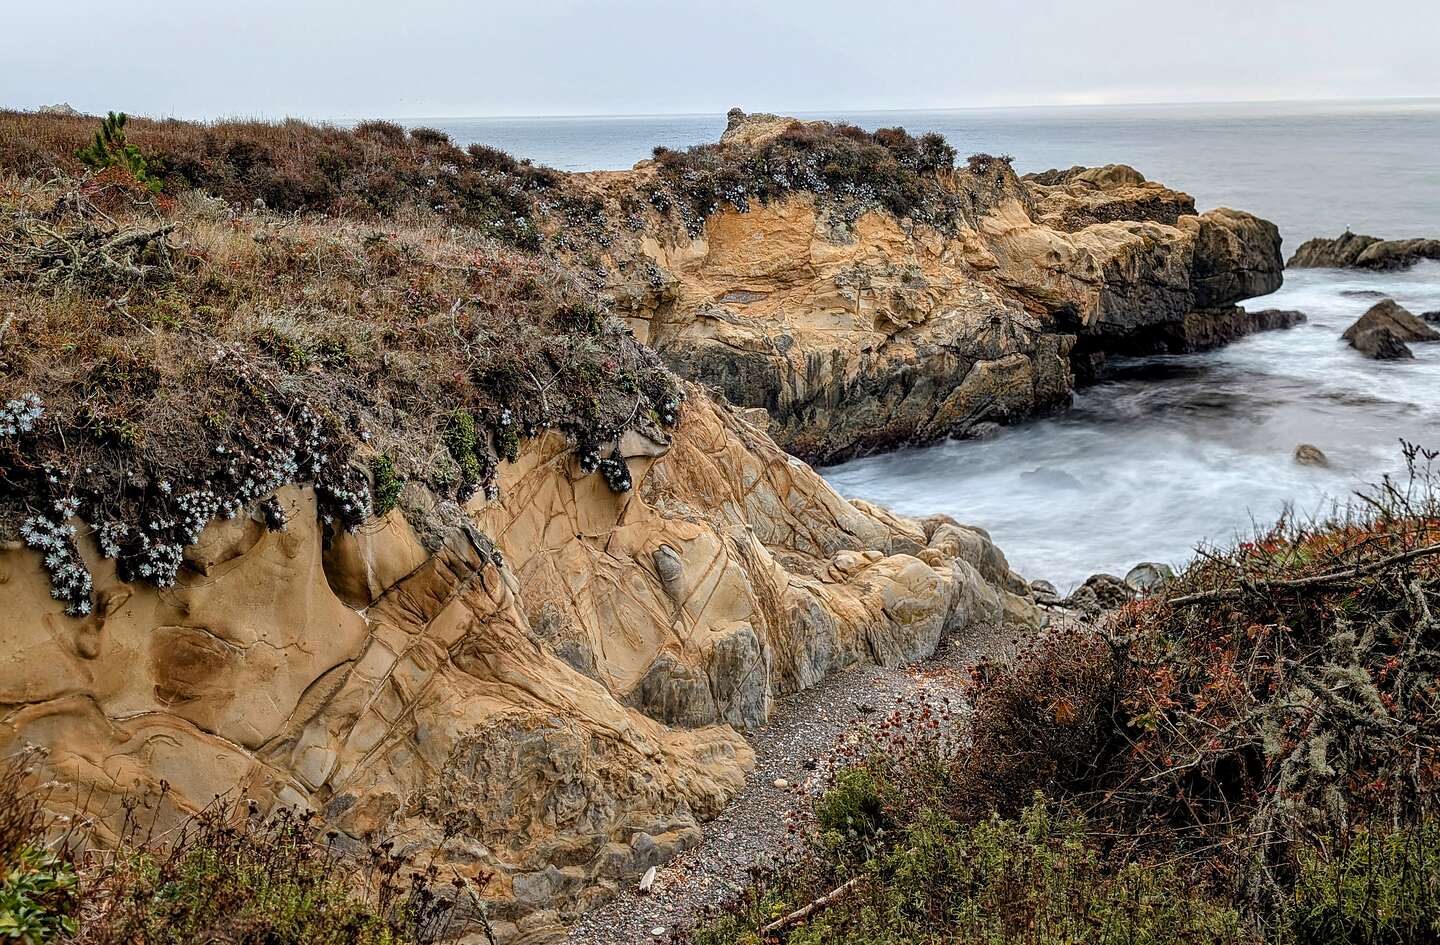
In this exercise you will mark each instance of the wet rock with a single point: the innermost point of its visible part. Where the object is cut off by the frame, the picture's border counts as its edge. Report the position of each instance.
(1430, 316)
(1381, 344)
(1205, 330)
(1149, 576)
(1355, 251)
(1394, 318)
(1307, 455)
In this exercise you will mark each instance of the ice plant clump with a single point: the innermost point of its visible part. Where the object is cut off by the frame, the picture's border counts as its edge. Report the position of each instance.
(19, 415)
(616, 473)
(54, 537)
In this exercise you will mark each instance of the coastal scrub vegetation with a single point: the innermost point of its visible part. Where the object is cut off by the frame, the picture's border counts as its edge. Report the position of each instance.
(847, 168)
(225, 874)
(375, 171)
(173, 358)
(1251, 755)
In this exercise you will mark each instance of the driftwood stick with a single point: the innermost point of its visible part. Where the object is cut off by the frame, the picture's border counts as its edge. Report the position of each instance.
(1231, 593)
(805, 912)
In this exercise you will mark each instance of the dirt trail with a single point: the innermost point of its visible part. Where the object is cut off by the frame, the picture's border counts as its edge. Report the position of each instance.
(798, 739)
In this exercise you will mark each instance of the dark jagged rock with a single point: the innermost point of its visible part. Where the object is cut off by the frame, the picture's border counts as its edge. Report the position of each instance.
(1381, 344)
(1196, 331)
(1100, 592)
(1354, 251)
(1395, 319)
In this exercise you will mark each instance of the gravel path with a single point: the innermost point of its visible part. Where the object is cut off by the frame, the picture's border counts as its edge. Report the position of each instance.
(793, 746)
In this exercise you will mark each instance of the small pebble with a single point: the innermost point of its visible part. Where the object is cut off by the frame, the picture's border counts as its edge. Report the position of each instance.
(781, 783)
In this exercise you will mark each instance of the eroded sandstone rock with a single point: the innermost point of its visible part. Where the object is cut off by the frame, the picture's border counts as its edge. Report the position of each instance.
(860, 334)
(547, 697)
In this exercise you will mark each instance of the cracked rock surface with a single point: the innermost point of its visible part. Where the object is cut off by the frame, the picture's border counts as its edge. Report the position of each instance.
(551, 699)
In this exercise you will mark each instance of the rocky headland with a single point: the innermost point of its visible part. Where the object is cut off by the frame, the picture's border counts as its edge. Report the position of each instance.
(858, 328)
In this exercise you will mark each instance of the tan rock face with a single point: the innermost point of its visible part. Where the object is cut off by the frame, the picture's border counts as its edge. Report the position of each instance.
(860, 335)
(551, 698)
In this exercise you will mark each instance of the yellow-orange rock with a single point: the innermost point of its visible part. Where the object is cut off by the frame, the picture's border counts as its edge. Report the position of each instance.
(551, 697)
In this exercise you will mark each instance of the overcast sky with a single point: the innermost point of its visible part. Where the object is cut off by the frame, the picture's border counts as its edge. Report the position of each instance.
(447, 58)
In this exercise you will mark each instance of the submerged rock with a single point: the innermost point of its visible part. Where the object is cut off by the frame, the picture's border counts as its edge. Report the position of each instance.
(1307, 455)
(1354, 251)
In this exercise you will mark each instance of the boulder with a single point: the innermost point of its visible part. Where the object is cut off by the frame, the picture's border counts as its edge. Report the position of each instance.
(1149, 576)
(1354, 251)
(1394, 318)
(1381, 344)
(1045, 592)
(1307, 455)
(1099, 593)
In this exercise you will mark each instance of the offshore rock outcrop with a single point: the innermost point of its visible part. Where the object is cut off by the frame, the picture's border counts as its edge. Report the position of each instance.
(1354, 251)
(550, 697)
(858, 330)
(1383, 331)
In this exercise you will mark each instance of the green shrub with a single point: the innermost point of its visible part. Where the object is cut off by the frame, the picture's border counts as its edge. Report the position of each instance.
(37, 898)
(463, 440)
(839, 164)
(852, 816)
(228, 876)
(387, 484)
(1030, 880)
(1380, 887)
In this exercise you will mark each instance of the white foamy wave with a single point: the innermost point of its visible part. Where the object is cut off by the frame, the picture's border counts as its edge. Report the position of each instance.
(1172, 452)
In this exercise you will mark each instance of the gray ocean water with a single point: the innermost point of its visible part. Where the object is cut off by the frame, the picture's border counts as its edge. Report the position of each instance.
(1169, 452)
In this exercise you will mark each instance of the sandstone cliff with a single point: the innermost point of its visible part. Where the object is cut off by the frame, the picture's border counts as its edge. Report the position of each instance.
(551, 698)
(859, 329)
